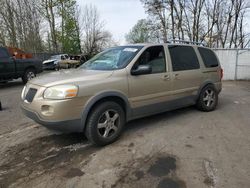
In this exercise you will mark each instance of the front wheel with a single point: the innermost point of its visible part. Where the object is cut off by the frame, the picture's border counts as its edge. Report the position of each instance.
(208, 99)
(28, 75)
(105, 123)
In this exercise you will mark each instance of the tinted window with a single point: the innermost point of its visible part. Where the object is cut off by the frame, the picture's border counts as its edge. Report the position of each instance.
(183, 58)
(3, 53)
(208, 57)
(155, 57)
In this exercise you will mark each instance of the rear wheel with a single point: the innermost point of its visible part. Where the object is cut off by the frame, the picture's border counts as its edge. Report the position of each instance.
(208, 99)
(28, 75)
(105, 123)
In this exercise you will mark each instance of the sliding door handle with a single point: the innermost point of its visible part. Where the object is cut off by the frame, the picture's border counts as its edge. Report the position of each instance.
(166, 77)
(176, 76)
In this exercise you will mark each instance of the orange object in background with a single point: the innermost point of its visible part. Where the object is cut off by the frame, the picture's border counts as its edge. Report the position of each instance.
(18, 53)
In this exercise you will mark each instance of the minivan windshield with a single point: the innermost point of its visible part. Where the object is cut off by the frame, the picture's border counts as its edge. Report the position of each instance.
(112, 59)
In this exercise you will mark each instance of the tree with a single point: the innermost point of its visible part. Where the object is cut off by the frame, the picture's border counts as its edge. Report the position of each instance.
(52, 25)
(16, 29)
(94, 37)
(49, 7)
(70, 32)
(7, 17)
(140, 33)
(220, 23)
(157, 10)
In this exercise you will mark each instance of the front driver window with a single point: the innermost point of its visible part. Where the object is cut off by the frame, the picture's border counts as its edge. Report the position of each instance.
(155, 57)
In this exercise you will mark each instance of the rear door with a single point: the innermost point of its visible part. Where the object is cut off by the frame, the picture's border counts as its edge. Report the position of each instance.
(7, 64)
(186, 73)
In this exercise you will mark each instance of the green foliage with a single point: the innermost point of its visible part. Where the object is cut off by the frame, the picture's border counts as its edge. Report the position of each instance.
(69, 34)
(140, 33)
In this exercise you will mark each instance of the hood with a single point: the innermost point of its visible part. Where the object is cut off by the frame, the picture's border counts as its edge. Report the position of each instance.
(69, 77)
(49, 61)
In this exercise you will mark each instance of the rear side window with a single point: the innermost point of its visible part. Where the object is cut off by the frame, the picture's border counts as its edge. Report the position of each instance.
(183, 58)
(208, 57)
(3, 53)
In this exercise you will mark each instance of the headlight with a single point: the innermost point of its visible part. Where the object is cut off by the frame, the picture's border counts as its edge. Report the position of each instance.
(24, 92)
(61, 92)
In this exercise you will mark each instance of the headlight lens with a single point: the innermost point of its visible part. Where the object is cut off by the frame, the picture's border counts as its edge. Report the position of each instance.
(61, 92)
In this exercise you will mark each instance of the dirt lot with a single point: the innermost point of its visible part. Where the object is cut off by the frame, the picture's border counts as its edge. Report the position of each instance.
(179, 149)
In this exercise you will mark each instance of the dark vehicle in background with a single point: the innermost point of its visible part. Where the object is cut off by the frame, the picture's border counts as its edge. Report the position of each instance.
(13, 68)
(84, 58)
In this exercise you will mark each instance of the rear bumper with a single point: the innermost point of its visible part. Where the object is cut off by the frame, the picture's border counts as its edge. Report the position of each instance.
(63, 126)
(218, 86)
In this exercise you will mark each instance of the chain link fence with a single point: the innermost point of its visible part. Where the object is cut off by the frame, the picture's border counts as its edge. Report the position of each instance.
(235, 63)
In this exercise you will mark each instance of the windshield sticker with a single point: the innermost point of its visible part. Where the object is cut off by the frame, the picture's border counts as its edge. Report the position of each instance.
(130, 50)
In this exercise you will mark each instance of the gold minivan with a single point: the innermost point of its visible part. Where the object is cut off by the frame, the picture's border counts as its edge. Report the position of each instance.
(121, 84)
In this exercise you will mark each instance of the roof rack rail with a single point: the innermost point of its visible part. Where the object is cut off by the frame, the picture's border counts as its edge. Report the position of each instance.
(186, 42)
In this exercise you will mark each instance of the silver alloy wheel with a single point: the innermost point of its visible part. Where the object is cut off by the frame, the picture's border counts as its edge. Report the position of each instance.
(30, 75)
(108, 123)
(209, 97)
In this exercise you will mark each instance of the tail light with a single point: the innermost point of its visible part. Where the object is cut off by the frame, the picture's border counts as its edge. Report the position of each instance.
(221, 73)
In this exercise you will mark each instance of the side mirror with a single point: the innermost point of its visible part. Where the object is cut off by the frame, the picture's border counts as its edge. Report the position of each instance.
(141, 69)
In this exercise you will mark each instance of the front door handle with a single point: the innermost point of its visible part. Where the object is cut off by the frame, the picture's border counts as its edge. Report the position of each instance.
(166, 77)
(176, 76)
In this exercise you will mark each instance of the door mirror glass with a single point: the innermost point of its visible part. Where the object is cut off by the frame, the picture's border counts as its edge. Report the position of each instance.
(141, 69)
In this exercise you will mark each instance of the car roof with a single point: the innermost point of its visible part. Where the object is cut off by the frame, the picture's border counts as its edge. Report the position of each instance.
(168, 44)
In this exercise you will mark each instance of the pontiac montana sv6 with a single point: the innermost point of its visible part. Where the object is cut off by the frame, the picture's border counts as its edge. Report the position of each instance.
(121, 84)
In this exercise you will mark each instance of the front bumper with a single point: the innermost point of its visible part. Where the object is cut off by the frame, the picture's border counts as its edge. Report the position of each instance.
(64, 115)
(63, 126)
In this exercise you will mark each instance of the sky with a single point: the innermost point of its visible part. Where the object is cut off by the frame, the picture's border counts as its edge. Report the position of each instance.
(119, 15)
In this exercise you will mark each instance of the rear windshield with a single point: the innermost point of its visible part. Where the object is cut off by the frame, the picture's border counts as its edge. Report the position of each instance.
(208, 57)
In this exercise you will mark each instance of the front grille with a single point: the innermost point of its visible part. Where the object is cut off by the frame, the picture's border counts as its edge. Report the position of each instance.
(30, 95)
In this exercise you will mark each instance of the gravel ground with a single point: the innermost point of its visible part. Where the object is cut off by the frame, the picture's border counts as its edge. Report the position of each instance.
(184, 148)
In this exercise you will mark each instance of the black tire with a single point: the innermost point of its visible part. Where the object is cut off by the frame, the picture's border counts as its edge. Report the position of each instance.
(28, 75)
(100, 133)
(208, 99)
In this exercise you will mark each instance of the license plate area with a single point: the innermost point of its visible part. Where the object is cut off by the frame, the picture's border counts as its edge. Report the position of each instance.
(30, 95)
